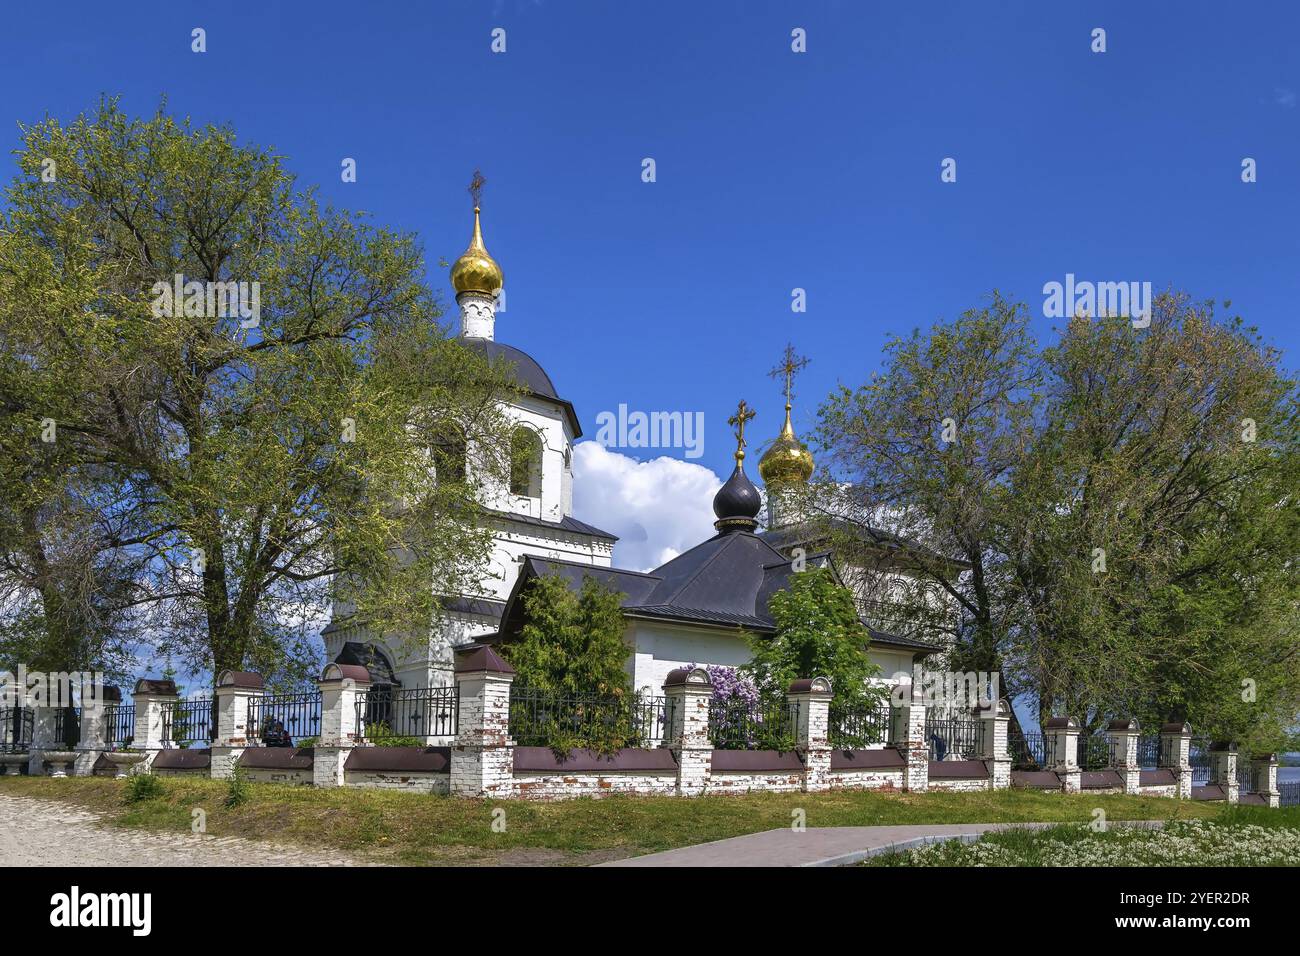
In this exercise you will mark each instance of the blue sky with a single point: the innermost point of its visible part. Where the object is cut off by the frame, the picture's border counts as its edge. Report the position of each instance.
(775, 170)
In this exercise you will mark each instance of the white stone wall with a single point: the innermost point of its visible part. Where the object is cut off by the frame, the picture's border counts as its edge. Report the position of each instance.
(731, 782)
(565, 786)
(439, 783)
(958, 786)
(265, 775)
(866, 779)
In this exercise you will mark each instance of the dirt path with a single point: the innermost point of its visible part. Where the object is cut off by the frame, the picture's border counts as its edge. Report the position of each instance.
(45, 833)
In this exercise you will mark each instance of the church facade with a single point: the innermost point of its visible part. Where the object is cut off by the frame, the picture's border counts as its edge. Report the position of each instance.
(694, 609)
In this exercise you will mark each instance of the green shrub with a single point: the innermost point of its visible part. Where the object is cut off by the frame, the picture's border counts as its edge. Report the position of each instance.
(237, 788)
(143, 786)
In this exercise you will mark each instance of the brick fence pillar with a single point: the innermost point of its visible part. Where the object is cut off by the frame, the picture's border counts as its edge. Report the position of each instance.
(689, 693)
(907, 733)
(154, 699)
(235, 691)
(995, 723)
(810, 699)
(1176, 755)
(341, 686)
(1263, 778)
(43, 739)
(1223, 769)
(94, 730)
(1063, 733)
(483, 754)
(1123, 736)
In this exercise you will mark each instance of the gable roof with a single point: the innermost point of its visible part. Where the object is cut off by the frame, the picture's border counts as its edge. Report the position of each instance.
(890, 544)
(725, 581)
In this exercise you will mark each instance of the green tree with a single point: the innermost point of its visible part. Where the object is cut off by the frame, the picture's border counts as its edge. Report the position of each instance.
(572, 643)
(280, 462)
(818, 634)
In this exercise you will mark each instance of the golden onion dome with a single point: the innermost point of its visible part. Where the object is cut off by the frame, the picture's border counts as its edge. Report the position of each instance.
(787, 461)
(475, 270)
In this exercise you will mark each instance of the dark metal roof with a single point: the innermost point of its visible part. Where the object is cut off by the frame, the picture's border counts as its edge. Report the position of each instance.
(886, 758)
(725, 581)
(399, 759)
(278, 758)
(182, 759)
(958, 770)
(567, 523)
(530, 376)
(755, 761)
(544, 760)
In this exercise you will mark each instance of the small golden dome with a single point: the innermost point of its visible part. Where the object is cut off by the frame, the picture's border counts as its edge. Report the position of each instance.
(475, 270)
(787, 460)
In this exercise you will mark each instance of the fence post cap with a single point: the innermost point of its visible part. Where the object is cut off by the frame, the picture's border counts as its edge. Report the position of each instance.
(1265, 758)
(111, 693)
(1061, 723)
(248, 679)
(158, 688)
(481, 659)
(810, 685)
(683, 676)
(1001, 709)
(1224, 746)
(1123, 723)
(340, 672)
(1176, 727)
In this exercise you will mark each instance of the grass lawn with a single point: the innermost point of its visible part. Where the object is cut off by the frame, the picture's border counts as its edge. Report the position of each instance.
(409, 828)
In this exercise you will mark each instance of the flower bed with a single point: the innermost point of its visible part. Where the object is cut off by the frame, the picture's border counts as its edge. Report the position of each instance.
(1181, 843)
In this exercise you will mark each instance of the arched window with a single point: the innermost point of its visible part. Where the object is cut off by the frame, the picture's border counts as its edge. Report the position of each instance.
(449, 454)
(525, 463)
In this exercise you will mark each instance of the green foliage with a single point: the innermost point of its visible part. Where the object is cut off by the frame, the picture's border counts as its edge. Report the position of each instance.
(237, 788)
(381, 735)
(1171, 453)
(143, 786)
(571, 643)
(237, 474)
(818, 634)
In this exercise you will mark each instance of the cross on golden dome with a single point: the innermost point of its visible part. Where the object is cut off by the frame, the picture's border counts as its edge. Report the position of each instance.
(476, 270)
(787, 461)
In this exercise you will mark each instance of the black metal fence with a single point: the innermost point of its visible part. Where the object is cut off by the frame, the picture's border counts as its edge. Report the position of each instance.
(544, 719)
(959, 736)
(407, 717)
(1028, 751)
(739, 724)
(1244, 782)
(1199, 758)
(189, 722)
(17, 724)
(853, 727)
(1095, 752)
(1151, 752)
(1290, 794)
(67, 727)
(119, 726)
(297, 715)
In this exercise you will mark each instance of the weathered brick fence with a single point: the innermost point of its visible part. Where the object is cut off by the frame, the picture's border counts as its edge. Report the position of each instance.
(462, 740)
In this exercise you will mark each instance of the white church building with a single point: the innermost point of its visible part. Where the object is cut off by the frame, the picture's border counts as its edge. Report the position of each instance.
(694, 609)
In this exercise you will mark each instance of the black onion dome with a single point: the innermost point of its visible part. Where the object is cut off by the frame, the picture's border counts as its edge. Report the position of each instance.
(737, 503)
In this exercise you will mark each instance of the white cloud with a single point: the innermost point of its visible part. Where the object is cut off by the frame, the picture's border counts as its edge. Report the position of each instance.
(658, 508)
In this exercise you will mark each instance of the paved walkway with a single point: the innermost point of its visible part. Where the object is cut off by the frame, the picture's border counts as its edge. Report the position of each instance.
(821, 846)
(47, 833)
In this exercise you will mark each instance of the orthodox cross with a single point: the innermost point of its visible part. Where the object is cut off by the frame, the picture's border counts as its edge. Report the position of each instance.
(743, 414)
(790, 367)
(476, 187)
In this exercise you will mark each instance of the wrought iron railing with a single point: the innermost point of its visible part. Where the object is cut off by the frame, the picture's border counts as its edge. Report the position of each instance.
(853, 727)
(954, 736)
(119, 726)
(1199, 758)
(1244, 782)
(1290, 794)
(17, 724)
(297, 715)
(1029, 751)
(739, 724)
(189, 722)
(544, 719)
(407, 717)
(67, 727)
(1151, 752)
(1096, 752)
